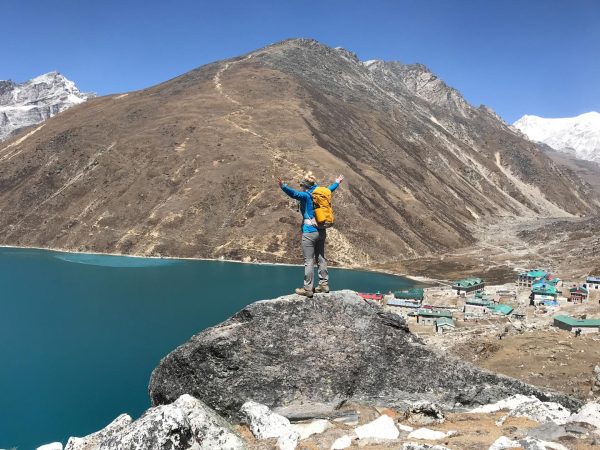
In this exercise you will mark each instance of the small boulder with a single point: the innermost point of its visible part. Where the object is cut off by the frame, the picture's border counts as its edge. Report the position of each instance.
(341, 443)
(417, 446)
(266, 424)
(589, 413)
(208, 428)
(425, 413)
(503, 443)
(528, 406)
(426, 434)
(381, 428)
(305, 430)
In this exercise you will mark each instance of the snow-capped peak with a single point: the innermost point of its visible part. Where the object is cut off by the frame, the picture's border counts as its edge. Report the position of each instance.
(32, 102)
(580, 134)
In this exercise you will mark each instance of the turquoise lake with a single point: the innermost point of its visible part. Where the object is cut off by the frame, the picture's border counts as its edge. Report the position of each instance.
(80, 333)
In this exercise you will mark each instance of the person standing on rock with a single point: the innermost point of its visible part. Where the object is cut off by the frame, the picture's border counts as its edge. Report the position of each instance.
(313, 233)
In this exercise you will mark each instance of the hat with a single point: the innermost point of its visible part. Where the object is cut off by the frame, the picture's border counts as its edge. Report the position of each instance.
(308, 180)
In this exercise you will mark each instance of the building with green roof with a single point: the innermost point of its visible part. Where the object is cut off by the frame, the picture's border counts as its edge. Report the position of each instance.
(526, 279)
(444, 324)
(501, 309)
(543, 291)
(477, 306)
(428, 316)
(570, 324)
(468, 285)
(410, 294)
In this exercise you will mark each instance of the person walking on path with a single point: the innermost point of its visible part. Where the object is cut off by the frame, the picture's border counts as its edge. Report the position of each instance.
(313, 237)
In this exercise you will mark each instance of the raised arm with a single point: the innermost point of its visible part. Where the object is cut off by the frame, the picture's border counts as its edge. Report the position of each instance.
(336, 183)
(296, 195)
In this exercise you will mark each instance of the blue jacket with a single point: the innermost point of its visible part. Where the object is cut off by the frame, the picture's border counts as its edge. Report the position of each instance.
(306, 204)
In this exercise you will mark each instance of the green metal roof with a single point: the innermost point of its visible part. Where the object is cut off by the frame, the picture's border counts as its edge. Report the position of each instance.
(444, 321)
(543, 289)
(502, 309)
(433, 313)
(467, 282)
(414, 293)
(572, 321)
(535, 273)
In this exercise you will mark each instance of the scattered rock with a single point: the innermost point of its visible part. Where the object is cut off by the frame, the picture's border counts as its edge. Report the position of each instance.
(381, 428)
(427, 435)
(527, 406)
(548, 430)
(341, 443)
(404, 427)
(350, 418)
(542, 411)
(209, 429)
(93, 441)
(305, 430)
(416, 446)
(266, 424)
(589, 413)
(51, 446)
(554, 446)
(424, 413)
(503, 443)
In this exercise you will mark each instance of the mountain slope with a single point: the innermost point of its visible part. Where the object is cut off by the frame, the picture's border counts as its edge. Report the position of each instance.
(188, 167)
(579, 135)
(32, 102)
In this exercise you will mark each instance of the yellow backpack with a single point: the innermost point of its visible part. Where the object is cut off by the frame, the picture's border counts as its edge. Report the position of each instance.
(321, 197)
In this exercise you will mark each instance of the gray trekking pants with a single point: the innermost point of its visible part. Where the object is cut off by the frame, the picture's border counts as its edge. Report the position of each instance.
(313, 246)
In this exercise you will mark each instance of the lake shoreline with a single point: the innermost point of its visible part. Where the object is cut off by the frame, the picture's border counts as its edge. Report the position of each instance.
(417, 278)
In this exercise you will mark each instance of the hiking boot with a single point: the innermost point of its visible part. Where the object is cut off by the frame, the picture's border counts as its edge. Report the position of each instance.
(305, 292)
(322, 288)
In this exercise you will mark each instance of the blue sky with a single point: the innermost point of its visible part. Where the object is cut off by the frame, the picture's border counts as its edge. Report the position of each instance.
(517, 56)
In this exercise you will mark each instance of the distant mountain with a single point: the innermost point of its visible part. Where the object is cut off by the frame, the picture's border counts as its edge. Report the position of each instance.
(32, 102)
(579, 135)
(189, 167)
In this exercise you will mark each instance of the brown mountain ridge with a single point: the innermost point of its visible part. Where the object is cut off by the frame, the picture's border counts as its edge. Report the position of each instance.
(187, 168)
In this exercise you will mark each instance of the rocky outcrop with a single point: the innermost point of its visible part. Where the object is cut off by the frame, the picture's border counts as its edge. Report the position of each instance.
(185, 424)
(94, 440)
(330, 349)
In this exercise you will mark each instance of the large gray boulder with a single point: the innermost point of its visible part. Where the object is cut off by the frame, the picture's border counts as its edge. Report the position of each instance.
(334, 347)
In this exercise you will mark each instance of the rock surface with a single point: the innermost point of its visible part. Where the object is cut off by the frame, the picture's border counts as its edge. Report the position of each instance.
(333, 347)
(93, 441)
(185, 424)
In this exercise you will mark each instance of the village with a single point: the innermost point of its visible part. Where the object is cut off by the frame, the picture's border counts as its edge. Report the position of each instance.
(536, 297)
